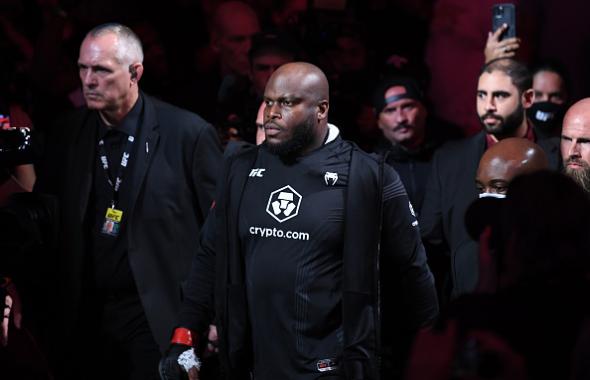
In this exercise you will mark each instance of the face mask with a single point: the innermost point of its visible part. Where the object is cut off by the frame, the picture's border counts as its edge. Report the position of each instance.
(546, 115)
(492, 195)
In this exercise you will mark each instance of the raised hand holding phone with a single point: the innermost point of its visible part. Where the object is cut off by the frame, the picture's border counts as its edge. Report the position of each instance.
(502, 41)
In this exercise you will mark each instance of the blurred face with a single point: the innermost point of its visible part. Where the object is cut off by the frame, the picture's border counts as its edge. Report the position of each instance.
(575, 148)
(500, 107)
(350, 55)
(549, 87)
(402, 121)
(234, 39)
(260, 124)
(106, 83)
(289, 116)
(262, 68)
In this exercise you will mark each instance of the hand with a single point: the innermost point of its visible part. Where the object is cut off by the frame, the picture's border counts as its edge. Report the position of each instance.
(432, 353)
(12, 310)
(212, 338)
(496, 49)
(169, 367)
(193, 374)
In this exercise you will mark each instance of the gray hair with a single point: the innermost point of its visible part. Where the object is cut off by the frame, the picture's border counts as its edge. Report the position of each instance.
(129, 49)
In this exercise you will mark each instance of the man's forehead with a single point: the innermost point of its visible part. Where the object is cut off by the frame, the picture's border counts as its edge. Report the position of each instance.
(577, 125)
(498, 169)
(272, 58)
(547, 78)
(496, 80)
(276, 93)
(289, 82)
(240, 24)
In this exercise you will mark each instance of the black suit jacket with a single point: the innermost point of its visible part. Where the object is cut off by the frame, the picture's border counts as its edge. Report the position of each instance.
(178, 157)
(450, 191)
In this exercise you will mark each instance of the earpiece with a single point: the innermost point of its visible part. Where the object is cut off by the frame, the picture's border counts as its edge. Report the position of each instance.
(133, 72)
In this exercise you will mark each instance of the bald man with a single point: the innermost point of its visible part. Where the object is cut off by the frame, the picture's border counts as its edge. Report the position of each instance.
(504, 161)
(297, 235)
(575, 143)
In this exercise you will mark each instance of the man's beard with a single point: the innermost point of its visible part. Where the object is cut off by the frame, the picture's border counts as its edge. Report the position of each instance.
(507, 126)
(580, 176)
(302, 138)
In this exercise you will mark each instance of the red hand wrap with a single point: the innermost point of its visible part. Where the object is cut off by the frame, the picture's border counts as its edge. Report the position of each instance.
(184, 336)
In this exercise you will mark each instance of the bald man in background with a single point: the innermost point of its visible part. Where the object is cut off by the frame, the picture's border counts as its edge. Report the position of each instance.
(504, 161)
(295, 244)
(575, 143)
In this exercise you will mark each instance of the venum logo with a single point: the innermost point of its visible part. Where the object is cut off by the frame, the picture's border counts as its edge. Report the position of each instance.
(330, 178)
(283, 204)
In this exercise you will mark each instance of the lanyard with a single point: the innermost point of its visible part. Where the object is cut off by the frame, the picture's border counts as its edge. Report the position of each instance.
(105, 165)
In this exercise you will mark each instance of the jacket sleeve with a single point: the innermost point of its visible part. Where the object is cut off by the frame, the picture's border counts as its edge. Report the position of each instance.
(431, 223)
(206, 166)
(403, 255)
(196, 312)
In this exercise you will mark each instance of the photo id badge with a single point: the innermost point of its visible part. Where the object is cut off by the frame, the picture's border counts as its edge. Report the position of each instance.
(112, 222)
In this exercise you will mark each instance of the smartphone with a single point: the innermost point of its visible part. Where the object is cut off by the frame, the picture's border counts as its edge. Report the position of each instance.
(504, 14)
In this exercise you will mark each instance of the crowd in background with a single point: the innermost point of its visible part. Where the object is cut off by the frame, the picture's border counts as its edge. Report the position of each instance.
(214, 59)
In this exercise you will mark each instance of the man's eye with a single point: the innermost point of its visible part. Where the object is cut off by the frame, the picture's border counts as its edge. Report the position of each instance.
(268, 103)
(287, 103)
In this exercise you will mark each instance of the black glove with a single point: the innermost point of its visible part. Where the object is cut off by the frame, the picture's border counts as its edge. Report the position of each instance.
(169, 367)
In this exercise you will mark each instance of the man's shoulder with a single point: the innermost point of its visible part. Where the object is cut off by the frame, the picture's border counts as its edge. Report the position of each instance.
(235, 148)
(464, 144)
(371, 164)
(460, 150)
(371, 159)
(165, 112)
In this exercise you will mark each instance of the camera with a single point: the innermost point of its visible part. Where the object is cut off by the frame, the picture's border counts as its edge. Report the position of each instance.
(15, 144)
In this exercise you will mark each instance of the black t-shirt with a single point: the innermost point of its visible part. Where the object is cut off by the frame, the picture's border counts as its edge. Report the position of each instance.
(291, 231)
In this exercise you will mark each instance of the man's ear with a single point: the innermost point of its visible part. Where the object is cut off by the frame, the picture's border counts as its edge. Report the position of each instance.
(323, 107)
(136, 71)
(528, 98)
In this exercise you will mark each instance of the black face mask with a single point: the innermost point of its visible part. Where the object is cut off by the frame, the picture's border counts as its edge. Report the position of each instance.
(546, 115)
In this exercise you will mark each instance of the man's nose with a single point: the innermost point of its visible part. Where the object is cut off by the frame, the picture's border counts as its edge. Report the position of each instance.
(89, 79)
(401, 117)
(272, 111)
(490, 104)
(574, 150)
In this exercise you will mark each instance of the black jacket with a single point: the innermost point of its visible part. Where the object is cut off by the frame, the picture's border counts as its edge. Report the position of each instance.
(361, 288)
(173, 179)
(450, 190)
(413, 167)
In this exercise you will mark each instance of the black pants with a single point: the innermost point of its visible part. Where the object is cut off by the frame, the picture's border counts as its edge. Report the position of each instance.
(124, 348)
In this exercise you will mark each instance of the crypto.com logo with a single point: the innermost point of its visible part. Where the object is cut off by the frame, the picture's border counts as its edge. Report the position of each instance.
(283, 204)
